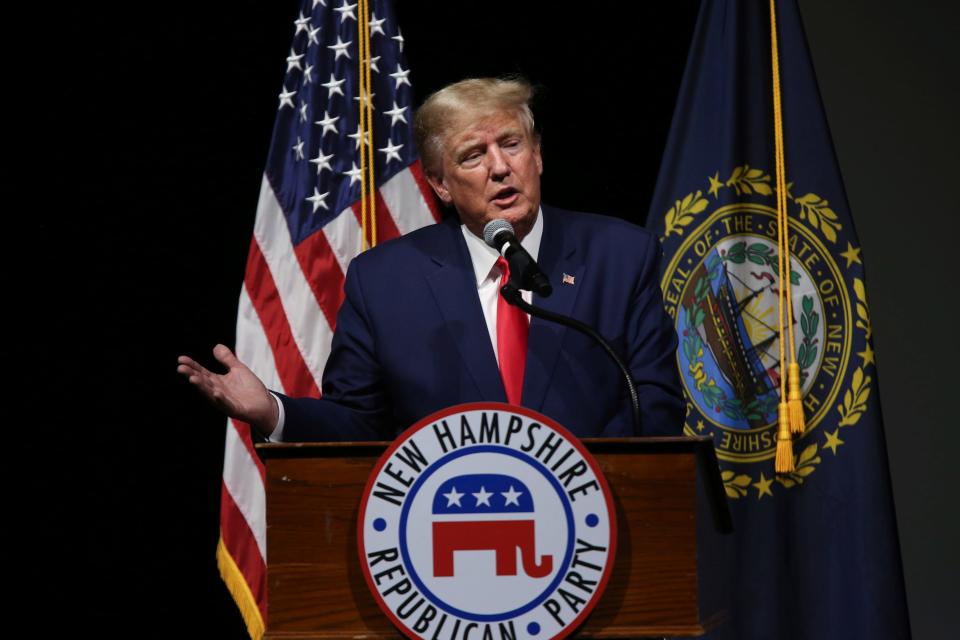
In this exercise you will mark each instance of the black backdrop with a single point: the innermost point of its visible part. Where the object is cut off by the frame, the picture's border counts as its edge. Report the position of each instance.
(160, 118)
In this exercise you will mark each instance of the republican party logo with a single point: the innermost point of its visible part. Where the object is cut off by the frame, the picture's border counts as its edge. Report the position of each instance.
(486, 521)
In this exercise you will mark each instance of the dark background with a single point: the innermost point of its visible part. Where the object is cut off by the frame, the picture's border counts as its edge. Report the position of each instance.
(156, 122)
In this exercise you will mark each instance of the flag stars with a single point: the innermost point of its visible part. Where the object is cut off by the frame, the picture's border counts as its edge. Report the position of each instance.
(453, 498)
(715, 185)
(373, 64)
(358, 135)
(286, 99)
(399, 39)
(396, 114)
(400, 75)
(833, 440)
(298, 149)
(867, 355)
(293, 61)
(346, 11)
(308, 75)
(763, 486)
(333, 86)
(322, 161)
(303, 111)
(852, 254)
(329, 123)
(391, 150)
(354, 173)
(482, 497)
(340, 49)
(319, 200)
(376, 26)
(322, 3)
(511, 496)
(303, 24)
(312, 36)
(364, 100)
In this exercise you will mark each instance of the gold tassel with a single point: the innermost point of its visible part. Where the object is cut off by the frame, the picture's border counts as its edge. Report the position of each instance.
(784, 461)
(797, 422)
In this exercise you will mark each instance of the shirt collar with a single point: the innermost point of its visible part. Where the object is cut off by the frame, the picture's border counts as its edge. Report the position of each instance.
(484, 257)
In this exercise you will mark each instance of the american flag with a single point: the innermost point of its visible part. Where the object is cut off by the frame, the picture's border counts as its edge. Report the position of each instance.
(310, 223)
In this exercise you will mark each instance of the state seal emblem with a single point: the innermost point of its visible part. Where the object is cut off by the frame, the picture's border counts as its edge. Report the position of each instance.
(720, 285)
(486, 520)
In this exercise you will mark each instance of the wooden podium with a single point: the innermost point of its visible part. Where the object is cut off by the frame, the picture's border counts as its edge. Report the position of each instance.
(316, 585)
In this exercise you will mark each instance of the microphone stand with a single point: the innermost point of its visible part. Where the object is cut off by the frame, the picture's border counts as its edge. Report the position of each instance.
(512, 295)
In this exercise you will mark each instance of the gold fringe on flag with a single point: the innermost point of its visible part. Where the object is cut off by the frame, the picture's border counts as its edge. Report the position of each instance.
(240, 591)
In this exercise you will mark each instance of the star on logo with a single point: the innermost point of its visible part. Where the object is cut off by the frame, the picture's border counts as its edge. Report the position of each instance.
(391, 151)
(453, 498)
(340, 49)
(319, 200)
(512, 496)
(483, 497)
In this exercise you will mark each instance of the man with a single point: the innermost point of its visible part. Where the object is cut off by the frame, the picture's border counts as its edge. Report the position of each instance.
(422, 326)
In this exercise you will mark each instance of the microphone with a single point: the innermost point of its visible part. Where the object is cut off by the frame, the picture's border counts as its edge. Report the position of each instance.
(499, 235)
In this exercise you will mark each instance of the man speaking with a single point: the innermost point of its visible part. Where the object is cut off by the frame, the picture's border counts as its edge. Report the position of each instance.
(423, 326)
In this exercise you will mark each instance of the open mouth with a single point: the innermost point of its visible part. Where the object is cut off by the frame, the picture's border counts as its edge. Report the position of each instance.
(505, 196)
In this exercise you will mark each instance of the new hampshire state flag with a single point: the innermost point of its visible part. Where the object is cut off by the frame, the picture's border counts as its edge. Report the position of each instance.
(815, 552)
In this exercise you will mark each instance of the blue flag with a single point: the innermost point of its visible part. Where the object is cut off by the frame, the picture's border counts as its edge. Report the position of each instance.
(815, 551)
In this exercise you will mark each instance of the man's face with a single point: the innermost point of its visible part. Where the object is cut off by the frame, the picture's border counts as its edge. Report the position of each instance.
(490, 169)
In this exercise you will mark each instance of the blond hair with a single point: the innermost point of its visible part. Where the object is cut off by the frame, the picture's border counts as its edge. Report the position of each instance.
(466, 101)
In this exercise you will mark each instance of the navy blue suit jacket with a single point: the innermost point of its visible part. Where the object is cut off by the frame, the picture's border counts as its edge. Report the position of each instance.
(411, 337)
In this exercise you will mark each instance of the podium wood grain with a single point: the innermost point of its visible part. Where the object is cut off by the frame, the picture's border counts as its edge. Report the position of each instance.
(315, 582)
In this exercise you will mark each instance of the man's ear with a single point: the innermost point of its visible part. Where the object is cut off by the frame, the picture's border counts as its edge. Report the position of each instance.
(439, 188)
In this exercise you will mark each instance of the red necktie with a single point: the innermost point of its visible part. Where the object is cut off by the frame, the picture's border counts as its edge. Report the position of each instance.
(512, 329)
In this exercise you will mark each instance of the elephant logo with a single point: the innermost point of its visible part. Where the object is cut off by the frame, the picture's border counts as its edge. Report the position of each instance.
(486, 519)
(462, 508)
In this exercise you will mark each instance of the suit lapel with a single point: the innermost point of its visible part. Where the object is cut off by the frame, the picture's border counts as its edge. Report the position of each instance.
(557, 257)
(454, 286)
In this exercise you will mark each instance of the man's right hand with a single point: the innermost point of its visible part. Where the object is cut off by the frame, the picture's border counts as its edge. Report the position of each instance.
(239, 393)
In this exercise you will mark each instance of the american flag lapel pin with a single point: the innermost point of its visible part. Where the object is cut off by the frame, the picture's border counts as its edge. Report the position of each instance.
(569, 279)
